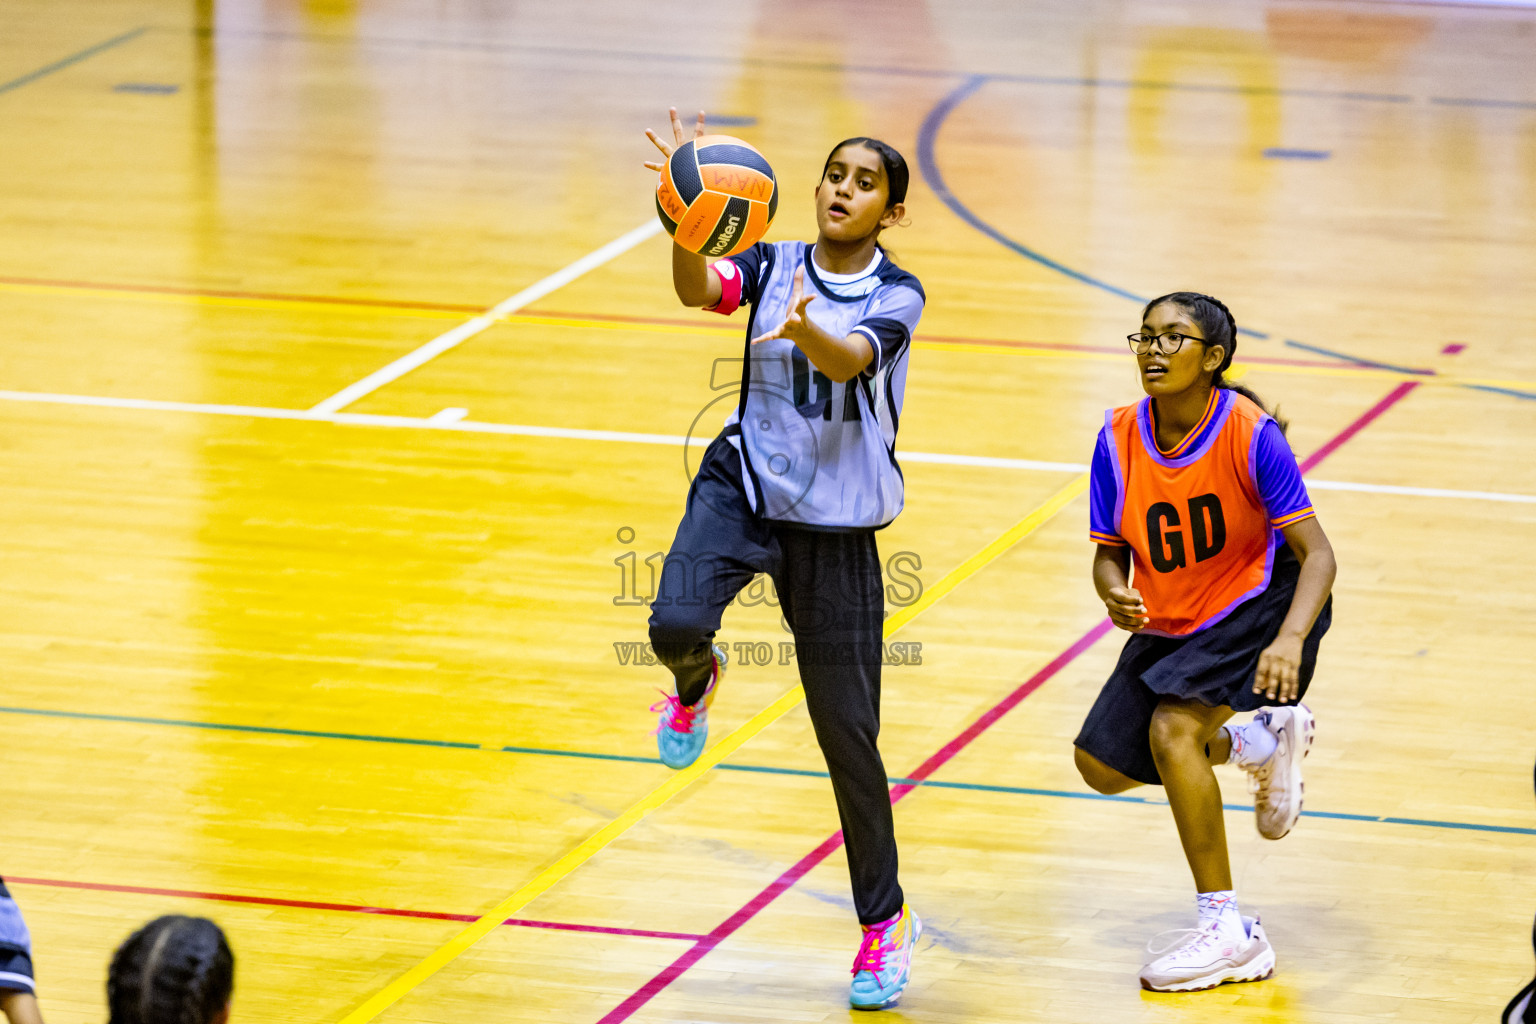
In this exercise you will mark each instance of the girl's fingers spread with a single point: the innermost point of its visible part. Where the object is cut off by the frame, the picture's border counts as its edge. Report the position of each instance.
(698, 129)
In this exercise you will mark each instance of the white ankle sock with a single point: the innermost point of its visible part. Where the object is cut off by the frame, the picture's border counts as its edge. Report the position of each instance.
(1221, 906)
(1252, 744)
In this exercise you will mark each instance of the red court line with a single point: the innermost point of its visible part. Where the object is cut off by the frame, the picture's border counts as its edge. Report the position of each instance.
(939, 758)
(651, 321)
(218, 293)
(350, 908)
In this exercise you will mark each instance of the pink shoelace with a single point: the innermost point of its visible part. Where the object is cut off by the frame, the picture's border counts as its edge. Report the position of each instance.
(679, 716)
(873, 950)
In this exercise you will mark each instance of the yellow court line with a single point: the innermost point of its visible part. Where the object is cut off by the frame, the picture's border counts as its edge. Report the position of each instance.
(583, 852)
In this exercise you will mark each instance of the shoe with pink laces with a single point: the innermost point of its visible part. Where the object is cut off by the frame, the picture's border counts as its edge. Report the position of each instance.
(884, 964)
(682, 728)
(1210, 955)
(1276, 784)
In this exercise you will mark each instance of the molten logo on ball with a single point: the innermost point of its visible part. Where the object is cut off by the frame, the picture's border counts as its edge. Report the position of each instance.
(725, 237)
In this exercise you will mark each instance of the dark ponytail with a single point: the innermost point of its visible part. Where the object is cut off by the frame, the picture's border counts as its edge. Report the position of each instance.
(1219, 327)
(174, 970)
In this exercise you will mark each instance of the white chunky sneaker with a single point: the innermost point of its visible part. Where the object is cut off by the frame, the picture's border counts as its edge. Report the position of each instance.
(1276, 784)
(1205, 957)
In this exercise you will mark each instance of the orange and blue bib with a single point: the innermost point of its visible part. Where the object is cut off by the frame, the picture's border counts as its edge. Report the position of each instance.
(1202, 521)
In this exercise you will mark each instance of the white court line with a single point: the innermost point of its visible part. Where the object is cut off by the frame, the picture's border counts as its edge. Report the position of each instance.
(1419, 492)
(357, 419)
(992, 462)
(469, 328)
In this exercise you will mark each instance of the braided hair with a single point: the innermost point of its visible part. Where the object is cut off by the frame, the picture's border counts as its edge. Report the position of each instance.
(1220, 328)
(174, 970)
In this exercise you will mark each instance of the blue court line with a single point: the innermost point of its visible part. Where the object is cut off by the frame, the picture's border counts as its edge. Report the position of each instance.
(1359, 361)
(147, 88)
(59, 65)
(1467, 101)
(1417, 371)
(928, 166)
(268, 730)
(760, 769)
(1291, 153)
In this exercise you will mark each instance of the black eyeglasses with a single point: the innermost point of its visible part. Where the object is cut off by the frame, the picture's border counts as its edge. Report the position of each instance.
(1167, 344)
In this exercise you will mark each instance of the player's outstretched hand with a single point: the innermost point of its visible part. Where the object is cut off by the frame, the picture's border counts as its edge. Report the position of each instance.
(1278, 676)
(1126, 609)
(795, 323)
(677, 134)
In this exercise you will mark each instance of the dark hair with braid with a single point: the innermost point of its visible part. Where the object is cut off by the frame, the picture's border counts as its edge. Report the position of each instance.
(174, 970)
(1219, 327)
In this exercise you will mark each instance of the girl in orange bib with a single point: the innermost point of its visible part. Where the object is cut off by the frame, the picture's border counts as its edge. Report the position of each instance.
(1198, 502)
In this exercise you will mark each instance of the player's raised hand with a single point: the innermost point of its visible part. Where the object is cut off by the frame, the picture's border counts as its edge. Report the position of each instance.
(1278, 676)
(677, 134)
(795, 323)
(1126, 609)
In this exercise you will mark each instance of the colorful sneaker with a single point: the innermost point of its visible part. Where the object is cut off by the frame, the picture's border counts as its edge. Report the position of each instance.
(1206, 957)
(1276, 784)
(884, 964)
(682, 728)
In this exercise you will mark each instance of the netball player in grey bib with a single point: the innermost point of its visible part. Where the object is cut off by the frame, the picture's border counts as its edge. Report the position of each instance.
(800, 478)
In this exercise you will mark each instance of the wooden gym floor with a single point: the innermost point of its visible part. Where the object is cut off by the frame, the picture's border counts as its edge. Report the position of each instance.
(339, 658)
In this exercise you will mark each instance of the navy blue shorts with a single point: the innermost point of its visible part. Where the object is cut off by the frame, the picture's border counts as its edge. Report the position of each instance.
(1215, 667)
(15, 947)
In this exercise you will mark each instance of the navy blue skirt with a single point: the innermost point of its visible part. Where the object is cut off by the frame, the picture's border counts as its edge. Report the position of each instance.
(1215, 667)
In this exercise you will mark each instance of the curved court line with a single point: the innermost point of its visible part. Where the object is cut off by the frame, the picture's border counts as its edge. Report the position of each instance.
(927, 162)
(574, 858)
(929, 167)
(75, 58)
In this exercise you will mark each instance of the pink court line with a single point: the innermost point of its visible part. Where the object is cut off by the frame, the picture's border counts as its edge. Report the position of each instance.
(645, 993)
(349, 908)
(779, 885)
(1365, 419)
